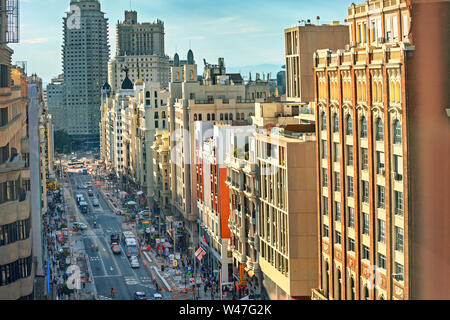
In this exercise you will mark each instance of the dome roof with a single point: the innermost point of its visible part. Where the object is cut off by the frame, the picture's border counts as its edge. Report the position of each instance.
(190, 57)
(176, 60)
(127, 84)
(106, 86)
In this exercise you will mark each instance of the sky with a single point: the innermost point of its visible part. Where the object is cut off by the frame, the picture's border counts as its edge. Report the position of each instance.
(244, 32)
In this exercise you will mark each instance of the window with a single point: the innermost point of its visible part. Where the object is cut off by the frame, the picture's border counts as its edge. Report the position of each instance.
(365, 223)
(380, 197)
(350, 155)
(324, 177)
(363, 127)
(365, 252)
(337, 181)
(397, 132)
(325, 231)
(380, 162)
(324, 121)
(156, 124)
(380, 130)
(337, 153)
(349, 130)
(324, 149)
(398, 272)
(398, 202)
(337, 211)
(337, 237)
(351, 217)
(364, 159)
(351, 245)
(398, 167)
(405, 29)
(350, 187)
(382, 261)
(399, 239)
(365, 191)
(325, 205)
(336, 123)
(381, 231)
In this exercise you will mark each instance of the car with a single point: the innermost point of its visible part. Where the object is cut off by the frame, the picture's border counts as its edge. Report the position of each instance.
(90, 193)
(95, 202)
(140, 296)
(157, 296)
(144, 213)
(89, 184)
(115, 247)
(82, 186)
(134, 262)
(80, 225)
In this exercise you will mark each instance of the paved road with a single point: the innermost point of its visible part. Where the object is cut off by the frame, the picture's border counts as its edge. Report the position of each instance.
(109, 270)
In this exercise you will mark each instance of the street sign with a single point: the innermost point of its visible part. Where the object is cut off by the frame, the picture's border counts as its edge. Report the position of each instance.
(175, 263)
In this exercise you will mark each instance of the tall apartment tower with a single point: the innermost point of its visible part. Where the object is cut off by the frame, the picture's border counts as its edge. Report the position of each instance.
(300, 44)
(134, 39)
(382, 155)
(85, 65)
(140, 48)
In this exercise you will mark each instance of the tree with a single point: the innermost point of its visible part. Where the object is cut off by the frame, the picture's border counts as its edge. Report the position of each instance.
(63, 142)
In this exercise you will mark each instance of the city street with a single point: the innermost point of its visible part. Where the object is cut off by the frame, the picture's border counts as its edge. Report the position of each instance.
(108, 270)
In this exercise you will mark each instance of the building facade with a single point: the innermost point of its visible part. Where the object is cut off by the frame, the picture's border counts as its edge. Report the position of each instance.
(85, 67)
(215, 98)
(363, 157)
(300, 44)
(56, 102)
(16, 241)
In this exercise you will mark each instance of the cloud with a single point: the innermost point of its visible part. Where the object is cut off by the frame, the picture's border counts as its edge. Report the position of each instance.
(35, 40)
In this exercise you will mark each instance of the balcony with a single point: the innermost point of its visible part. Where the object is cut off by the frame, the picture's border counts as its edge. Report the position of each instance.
(14, 163)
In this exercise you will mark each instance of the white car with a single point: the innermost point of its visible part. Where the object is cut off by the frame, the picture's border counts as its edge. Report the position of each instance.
(95, 202)
(134, 262)
(80, 225)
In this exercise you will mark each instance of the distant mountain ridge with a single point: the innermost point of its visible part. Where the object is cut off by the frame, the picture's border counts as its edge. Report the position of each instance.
(260, 68)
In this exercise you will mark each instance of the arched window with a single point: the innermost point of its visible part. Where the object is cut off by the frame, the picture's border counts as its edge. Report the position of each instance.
(226, 116)
(221, 117)
(199, 117)
(231, 116)
(163, 115)
(208, 117)
(191, 75)
(397, 92)
(323, 121)
(380, 130)
(392, 92)
(238, 117)
(336, 123)
(242, 116)
(195, 117)
(363, 127)
(213, 117)
(327, 275)
(352, 289)
(397, 132)
(366, 293)
(339, 287)
(349, 121)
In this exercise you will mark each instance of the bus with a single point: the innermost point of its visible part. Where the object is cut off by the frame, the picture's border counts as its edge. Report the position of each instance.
(130, 243)
(83, 207)
(80, 198)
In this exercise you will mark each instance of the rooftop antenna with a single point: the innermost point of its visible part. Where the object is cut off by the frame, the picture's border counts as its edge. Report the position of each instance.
(190, 45)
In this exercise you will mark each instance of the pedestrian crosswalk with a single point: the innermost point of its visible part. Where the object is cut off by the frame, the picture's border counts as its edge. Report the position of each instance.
(131, 281)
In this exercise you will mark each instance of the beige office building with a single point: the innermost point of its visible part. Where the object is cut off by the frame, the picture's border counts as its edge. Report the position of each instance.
(219, 97)
(300, 44)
